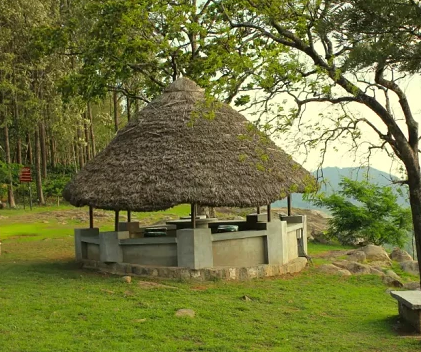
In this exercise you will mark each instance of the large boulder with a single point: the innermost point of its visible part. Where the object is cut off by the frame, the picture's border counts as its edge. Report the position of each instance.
(410, 266)
(399, 255)
(392, 274)
(375, 253)
(354, 267)
(319, 237)
(413, 285)
(333, 269)
(376, 271)
(357, 256)
(391, 281)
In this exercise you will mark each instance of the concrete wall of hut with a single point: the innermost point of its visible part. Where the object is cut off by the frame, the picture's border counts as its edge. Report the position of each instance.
(240, 252)
(275, 243)
(164, 254)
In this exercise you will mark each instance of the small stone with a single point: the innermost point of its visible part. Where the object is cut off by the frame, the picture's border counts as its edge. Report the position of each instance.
(127, 279)
(246, 298)
(185, 313)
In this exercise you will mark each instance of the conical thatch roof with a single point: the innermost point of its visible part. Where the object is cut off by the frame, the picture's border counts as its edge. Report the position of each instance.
(183, 148)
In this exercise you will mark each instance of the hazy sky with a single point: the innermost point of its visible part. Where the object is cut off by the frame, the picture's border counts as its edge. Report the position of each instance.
(342, 157)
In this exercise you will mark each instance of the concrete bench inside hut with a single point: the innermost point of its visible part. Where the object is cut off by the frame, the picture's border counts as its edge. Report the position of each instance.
(409, 304)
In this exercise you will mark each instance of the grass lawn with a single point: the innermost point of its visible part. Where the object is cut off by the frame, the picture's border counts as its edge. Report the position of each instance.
(48, 304)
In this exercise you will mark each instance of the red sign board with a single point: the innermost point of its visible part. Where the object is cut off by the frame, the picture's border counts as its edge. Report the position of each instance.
(25, 175)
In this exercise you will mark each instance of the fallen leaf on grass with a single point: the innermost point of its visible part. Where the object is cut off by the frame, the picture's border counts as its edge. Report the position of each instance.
(149, 285)
(107, 291)
(139, 320)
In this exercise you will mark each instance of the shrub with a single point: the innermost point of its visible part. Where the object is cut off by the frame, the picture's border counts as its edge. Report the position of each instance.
(373, 216)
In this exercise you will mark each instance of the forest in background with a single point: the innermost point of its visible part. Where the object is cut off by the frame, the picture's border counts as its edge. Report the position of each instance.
(73, 72)
(46, 123)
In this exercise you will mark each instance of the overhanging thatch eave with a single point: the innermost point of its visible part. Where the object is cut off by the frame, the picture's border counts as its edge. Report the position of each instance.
(172, 155)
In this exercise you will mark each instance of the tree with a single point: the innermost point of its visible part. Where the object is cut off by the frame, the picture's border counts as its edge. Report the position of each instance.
(366, 212)
(138, 47)
(313, 55)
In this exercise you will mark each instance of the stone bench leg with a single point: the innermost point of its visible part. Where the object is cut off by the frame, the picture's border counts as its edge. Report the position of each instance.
(412, 316)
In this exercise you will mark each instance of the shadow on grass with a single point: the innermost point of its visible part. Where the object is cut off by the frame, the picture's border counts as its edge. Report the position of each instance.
(401, 327)
(51, 268)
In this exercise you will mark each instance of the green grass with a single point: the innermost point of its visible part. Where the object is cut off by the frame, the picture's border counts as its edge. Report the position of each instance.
(47, 303)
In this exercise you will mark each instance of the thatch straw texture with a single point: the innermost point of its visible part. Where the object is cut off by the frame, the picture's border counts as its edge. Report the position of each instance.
(183, 148)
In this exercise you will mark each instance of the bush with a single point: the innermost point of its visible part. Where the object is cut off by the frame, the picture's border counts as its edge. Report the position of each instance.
(373, 217)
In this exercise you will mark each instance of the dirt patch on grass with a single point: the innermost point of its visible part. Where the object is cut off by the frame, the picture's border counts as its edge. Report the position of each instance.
(147, 285)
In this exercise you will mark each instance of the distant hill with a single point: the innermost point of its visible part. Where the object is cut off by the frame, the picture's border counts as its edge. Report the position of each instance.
(330, 183)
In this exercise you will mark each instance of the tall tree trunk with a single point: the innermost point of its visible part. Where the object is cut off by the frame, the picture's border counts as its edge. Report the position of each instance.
(10, 195)
(38, 171)
(136, 106)
(19, 151)
(29, 158)
(115, 104)
(91, 130)
(43, 150)
(414, 183)
(86, 131)
(16, 121)
(128, 107)
(52, 153)
(75, 155)
(79, 147)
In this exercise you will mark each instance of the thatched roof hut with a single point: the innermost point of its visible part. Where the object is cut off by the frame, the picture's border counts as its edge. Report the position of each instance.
(185, 148)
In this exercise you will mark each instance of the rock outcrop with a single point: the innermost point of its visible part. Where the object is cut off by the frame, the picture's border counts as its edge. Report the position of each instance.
(375, 253)
(410, 266)
(333, 269)
(399, 255)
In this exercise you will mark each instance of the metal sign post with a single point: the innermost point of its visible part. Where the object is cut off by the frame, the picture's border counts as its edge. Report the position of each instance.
(30, 195)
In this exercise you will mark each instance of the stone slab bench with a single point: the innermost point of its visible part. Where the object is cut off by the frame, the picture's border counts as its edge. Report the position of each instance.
(409, 304)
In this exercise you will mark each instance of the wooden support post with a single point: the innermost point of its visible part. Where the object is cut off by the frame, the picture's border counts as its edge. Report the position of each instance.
(193, 215)
(116, 220)
(289, 205)
(269, 213)
(258, 209)
(91, 217)
(129, 216)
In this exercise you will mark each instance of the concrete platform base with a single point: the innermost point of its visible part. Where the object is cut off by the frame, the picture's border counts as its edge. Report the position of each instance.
(409, 305)
(206, 274)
